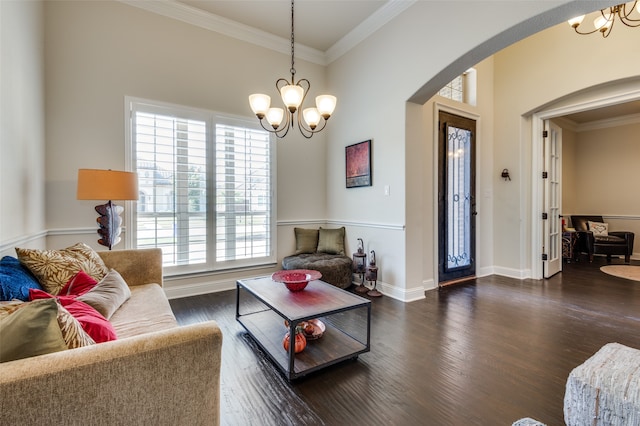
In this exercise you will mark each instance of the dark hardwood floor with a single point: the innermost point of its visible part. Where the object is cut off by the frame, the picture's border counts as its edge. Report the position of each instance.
(484, 353)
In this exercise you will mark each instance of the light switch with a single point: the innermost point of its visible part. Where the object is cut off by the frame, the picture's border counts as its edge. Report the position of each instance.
(386, 190)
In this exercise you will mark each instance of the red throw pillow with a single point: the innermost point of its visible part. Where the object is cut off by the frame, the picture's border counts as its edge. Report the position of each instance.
(91, 320)
(78, 285)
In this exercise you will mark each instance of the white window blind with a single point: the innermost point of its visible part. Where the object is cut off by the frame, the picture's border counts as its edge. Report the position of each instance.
(205, 195)
(243, 193)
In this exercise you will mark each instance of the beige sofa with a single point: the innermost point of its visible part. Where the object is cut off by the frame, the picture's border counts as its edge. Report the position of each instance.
(156, 373)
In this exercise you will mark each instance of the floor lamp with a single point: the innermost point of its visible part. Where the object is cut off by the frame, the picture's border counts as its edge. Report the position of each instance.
(108, 185)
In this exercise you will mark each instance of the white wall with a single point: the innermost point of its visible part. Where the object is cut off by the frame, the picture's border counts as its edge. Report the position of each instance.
(22, 122)
(99, 52)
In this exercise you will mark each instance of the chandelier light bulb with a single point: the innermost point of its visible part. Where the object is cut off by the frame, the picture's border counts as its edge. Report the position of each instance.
(574, 22)
(326, 104)
(259, 104)
(275, 116)
(292, 96)
(311, 117)
(603, 22)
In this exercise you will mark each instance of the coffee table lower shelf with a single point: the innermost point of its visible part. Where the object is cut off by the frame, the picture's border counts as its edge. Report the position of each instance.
(268, 330)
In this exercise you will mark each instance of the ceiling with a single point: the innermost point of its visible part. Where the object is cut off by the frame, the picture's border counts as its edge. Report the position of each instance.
(319, 24)
(606, 113)
(322, 24)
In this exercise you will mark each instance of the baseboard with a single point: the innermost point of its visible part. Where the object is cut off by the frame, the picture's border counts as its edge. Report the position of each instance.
(403, 295)
(520, 274)
(485, 271)
(187, 290)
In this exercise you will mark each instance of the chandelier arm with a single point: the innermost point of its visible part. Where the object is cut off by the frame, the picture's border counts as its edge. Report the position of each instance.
(626, 18)
(318, 129)
(308, 134)
(584, 33)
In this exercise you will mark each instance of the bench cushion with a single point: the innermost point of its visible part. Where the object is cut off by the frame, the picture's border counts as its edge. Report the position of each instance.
(335, 268)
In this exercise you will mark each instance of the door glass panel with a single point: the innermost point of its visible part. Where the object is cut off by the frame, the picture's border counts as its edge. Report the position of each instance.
(458, 244)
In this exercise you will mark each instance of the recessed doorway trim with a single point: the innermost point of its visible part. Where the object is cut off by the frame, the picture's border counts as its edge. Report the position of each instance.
(598, 100)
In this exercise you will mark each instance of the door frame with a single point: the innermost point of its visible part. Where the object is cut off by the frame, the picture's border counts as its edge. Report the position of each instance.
(599, 100)
(437, 108)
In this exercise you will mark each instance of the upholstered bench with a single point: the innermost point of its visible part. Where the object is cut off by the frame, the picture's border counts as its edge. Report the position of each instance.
(322, 250)
(605, 389)
(335, 268)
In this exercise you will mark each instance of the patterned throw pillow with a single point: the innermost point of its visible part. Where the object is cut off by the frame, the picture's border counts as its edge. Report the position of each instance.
(54, 268)
(9, 307)
(72, 331)
(599, 229)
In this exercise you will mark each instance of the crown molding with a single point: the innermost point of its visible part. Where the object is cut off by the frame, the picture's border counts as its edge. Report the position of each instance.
(227, 27)
(373, 23)
(209, 21)
(608, 123)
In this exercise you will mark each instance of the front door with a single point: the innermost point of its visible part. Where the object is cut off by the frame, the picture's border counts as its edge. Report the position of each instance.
(456, 198)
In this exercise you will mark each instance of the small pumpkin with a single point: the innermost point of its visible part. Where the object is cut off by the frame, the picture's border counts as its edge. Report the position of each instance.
(299, 345)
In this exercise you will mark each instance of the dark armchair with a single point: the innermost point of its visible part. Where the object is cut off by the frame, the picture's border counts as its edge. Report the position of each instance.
(618, 243)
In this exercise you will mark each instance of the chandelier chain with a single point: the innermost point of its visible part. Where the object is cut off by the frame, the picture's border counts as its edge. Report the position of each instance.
(293, 69)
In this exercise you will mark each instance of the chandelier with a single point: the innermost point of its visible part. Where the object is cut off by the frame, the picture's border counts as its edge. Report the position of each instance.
(604, 22)
(311, 121)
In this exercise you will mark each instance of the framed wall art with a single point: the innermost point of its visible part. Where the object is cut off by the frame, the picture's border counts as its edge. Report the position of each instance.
(358, 164)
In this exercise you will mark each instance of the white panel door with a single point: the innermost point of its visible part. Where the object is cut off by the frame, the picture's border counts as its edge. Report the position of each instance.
(552, 203)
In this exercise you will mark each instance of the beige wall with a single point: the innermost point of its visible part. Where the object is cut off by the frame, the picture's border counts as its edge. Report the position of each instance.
(605, 165)
(547, 67)
(22, 125)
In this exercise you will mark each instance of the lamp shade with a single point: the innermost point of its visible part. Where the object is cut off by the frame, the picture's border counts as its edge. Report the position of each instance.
(259, 104)
(96, 184)
(292, 96)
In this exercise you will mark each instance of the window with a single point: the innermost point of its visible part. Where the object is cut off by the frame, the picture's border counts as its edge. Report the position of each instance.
(462, 88)
(454, 90)
(205, 183)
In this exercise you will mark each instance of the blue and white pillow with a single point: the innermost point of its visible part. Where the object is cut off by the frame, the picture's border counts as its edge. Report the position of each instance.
(15, 280)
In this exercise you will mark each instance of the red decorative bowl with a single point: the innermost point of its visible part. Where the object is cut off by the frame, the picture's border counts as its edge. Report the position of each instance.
(296, 279)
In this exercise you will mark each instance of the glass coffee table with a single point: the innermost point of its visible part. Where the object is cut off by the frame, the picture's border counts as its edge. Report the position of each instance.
(264, 307)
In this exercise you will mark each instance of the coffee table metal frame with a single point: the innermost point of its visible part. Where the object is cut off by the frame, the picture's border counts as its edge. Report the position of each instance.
(265, 323)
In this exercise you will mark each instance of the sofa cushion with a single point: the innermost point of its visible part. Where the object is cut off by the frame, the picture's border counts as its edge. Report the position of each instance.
(336, 269)
(54, 268)
(91, 320)
(146, 310)
(15, 280)
(31, 330)
(331, 241)
(306, 240)
(108, 295)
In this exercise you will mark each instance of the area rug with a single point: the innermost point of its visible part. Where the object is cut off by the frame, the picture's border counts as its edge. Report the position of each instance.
(623, 271)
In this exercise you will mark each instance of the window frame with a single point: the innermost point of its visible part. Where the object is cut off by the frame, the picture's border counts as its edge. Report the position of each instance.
(211, 119)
